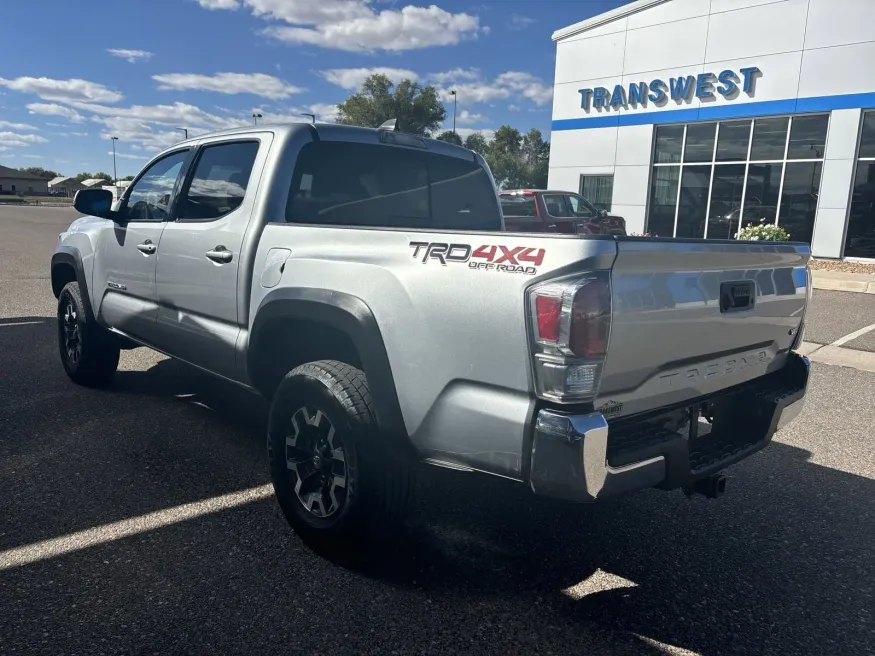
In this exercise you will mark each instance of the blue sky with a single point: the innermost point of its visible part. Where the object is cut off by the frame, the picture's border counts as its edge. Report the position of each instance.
(135, 69)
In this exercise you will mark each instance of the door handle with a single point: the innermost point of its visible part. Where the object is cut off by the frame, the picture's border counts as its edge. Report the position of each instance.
(147, 247)
(220, 254)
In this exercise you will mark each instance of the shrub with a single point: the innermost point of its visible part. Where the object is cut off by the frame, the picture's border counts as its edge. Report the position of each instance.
(763, 232)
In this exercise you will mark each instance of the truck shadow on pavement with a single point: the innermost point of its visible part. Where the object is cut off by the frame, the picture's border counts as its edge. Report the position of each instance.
(783, 563)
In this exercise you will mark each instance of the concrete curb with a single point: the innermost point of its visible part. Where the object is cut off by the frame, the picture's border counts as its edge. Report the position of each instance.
(839, 356)
(862, 284)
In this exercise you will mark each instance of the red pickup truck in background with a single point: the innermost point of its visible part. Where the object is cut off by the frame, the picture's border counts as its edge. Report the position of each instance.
(538, 210)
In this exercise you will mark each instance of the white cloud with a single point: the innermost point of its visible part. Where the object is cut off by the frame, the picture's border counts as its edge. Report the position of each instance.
(133, 56)
(79, 134)
(63, 90)
(467, 118)
(465, 132)
(17, 126)
(33, 156)
(259, 84)
(456, 75)
(355, 25)
(15, 139)
(52, 109)
(324, 111)
(218, 4)
(353, 78)
(511, 84)
(519, 22)
(126, 155)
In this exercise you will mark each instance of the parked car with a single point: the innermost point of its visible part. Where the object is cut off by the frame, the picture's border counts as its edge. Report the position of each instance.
(536, 210)
(361, 280)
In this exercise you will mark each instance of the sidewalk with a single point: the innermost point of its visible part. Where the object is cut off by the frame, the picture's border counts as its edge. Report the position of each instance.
(843, 282)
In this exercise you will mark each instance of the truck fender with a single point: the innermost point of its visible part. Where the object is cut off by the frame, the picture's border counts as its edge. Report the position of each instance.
(351, 316)
(64, 257)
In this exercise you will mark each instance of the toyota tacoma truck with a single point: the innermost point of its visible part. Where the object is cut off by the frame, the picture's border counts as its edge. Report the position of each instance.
(363, 282)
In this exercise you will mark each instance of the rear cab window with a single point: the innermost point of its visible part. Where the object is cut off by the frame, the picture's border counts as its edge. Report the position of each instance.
(518, 205)
(370, 185)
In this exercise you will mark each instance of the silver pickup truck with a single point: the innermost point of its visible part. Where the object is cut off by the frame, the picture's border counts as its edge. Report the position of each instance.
(363, 282)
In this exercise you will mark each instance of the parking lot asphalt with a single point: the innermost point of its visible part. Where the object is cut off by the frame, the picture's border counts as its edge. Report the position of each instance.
(784, 563)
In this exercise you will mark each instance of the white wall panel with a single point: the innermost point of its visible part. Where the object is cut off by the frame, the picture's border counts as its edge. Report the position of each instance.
(566, 98)
(838, 22)
(844, 130)
(835, 185)
(778, 81)
(593, 147)
(838, 70)
(630, 185)
(668, 12)
(590, 58)
(634, 215)
(634, 143)
(763, 30)
(611, 27)
(672, 45)
(829, 232)
(567, 179)
(719, 6)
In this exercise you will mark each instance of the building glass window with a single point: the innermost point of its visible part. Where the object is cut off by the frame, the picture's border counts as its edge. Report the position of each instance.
(699, 145)
(860, 240)
(669, 142)
(732, 174)
(598, 190)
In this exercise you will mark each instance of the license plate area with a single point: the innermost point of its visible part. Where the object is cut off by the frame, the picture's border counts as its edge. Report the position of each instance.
(737, 296)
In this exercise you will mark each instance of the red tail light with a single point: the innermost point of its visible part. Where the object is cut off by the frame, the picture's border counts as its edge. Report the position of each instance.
(590, 319)
(570, 320)
(549, 311)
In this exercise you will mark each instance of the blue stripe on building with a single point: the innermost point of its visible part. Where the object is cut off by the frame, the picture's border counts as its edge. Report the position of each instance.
(721, 112)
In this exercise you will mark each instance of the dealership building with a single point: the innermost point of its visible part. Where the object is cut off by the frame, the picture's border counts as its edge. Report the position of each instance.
(692, 118)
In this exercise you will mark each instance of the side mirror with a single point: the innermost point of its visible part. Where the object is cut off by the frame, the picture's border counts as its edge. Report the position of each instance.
(94, 202)
(603, 214)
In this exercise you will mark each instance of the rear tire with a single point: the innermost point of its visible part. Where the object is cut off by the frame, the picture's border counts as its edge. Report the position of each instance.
(340, 486)
(90, 357)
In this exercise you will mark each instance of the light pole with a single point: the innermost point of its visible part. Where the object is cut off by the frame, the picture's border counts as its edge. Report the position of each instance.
(256, 117)
(185, 130)
(312, 117)
(114, 172)
(455, 97)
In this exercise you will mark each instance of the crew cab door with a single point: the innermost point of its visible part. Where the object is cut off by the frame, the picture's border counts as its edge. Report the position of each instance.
(124, 268)
(199, 276)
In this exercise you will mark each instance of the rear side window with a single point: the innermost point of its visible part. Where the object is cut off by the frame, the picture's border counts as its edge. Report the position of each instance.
(220, 181)
(518, 205)
(352, 184)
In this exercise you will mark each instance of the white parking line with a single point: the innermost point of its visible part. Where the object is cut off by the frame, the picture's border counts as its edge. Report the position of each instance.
(20, 323)
(852, 336)
(92, 537)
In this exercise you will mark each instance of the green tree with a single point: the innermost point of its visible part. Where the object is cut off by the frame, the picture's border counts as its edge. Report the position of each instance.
(127, 178)
(417, 108)
(518, 161)
(105, 176)
(477, 142)
(450, 137)
(536, 158)
(83, 176)
(41, 172)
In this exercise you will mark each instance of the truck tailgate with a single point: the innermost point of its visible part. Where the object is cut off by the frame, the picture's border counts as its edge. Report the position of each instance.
(691, 318)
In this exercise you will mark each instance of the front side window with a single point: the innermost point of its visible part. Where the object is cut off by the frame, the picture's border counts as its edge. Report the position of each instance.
(354, 184)
(581, 208)
(556, 206)
(149, 197)
(220, 179)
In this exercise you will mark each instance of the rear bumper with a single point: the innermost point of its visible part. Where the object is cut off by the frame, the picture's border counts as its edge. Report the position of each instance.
(586, 458)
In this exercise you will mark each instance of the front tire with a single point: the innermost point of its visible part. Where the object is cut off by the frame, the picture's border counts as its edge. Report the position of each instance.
(89, 356)
(340, 486)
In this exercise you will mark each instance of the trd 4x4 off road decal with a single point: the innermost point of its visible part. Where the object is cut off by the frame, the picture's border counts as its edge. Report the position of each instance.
(507, 259)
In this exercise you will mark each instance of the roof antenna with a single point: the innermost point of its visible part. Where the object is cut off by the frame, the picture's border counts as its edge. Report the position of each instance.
(391, 125)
